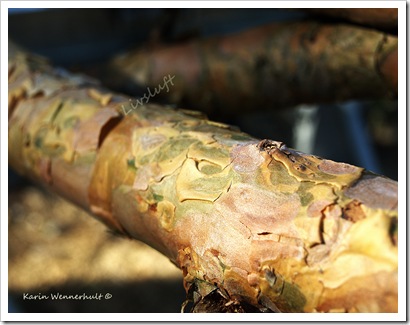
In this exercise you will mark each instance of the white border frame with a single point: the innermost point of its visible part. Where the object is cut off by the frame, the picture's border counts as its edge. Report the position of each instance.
(400, 316)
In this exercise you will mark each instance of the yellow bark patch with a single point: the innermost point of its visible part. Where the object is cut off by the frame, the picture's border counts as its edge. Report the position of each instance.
(166, 212)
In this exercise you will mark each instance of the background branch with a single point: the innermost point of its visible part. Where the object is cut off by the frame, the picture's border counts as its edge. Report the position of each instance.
(270, 67)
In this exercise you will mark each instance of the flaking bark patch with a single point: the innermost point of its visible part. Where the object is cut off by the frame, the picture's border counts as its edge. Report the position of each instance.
(375, 191)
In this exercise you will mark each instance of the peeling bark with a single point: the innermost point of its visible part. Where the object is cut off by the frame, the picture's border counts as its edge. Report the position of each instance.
(274, 66)
(254, 222)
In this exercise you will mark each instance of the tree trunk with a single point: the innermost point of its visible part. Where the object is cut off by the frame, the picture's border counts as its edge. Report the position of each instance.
(270, 67)
(251, 223)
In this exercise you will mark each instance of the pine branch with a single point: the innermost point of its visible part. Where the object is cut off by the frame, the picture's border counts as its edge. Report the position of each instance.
(252, 221)
(274, 66)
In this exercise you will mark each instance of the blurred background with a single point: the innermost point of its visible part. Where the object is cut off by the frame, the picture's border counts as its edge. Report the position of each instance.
(56, 247)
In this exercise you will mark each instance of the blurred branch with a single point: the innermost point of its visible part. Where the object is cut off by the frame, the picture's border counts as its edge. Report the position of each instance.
(381, 18)
(251, 223)
(274, 66)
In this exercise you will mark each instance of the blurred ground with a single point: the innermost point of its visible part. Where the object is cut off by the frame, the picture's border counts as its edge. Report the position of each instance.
(55, 247)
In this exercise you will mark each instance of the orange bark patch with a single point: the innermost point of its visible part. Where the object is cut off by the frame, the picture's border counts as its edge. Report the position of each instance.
(353, 212)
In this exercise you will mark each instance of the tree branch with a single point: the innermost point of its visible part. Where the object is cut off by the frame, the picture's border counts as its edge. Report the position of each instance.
(274, 66)
(252, 221)
(382, 18)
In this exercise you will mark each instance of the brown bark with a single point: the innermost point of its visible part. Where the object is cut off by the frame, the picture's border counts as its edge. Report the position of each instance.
(274, 66)
(254, 222)
(382, 18)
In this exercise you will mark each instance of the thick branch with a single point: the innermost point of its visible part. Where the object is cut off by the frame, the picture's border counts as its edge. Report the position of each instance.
(278, 65)
(256, 222)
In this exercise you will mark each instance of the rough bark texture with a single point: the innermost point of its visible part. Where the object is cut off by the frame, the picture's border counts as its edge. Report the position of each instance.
(277, 65)
(254, 222)
(383, 18)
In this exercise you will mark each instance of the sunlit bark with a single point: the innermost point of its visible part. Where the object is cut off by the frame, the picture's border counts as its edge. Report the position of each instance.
(250, 220)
